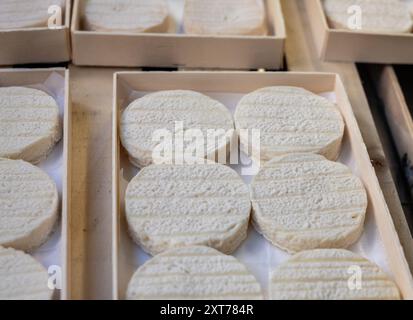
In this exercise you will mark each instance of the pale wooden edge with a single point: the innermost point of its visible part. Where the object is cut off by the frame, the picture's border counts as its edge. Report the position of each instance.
(279, 21)
(318, 22)
(397, 110)
(280, 33)
(115, 191)
(66, 193)
(393, 248)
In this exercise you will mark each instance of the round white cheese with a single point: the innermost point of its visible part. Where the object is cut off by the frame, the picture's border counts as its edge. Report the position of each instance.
(170, 206)
(29, 124)
(193, 273)
(303, 201)
(289, 120)
(330, 274)
(28, 205)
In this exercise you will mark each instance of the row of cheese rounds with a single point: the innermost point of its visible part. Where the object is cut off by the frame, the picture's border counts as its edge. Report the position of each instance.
(289, 120)
(208, 17)
(203, 273)
(29, 201)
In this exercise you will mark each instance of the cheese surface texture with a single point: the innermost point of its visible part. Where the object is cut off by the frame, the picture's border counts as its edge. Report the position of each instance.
(229, 17)
(193, 273)
(330, 274)
(126, 15)
(22, 277)
(170, 206)
(17, 14)
(28, 205)
(29, 124)
(386, 16)
(148, 122)
(289, 120)
(303, 201)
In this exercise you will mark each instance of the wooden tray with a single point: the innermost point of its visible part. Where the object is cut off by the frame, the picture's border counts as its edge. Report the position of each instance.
(57, 254)
(36, 45)
(179, 50)
(357, 46)
(385, 238)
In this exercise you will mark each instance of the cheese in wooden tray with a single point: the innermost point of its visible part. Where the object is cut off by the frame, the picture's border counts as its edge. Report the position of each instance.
(29, 123)
(26, 13)
(126, 15)
(169, 206)
(387, 16)
(194, 273)
(303, 201)
(22, 277)
(330, 274)
(290, 120)
(28, 205)
(229, 17)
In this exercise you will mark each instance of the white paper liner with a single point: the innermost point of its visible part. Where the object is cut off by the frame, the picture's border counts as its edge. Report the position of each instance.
(259, 255)
(49, 254)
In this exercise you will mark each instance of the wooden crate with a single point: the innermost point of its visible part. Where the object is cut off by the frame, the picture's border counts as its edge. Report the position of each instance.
(28, 77)
(354, 153)
(357, 46)
(179, 50)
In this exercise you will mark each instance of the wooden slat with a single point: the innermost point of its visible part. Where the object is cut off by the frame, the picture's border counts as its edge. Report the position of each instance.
(301, 56)
(91, 252)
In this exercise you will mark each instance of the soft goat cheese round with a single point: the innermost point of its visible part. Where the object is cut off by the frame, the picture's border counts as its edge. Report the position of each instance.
(126, 15)
(22, 277)
(303, 201)
(29, 124)
(330, 274)
(229, 17)
(193, 273)
(171, 206)
(165, 110)
(289, 120)
(28, 205)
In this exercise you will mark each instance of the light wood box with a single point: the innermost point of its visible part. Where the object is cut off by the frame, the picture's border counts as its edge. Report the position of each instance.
(357, 46)
(179, 50)
(36, 45)
(27, 77)
(245, 82)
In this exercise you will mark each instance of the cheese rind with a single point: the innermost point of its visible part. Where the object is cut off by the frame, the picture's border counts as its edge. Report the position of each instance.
(22, 277)
(229, 17)
(29, 124)
(289, 120)
(28, 205)
(330, 274)
(26, 13)
(193, 273)
(175, 117)
(387, 16)
(303, 202)
(126, 15)
(170, 206)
